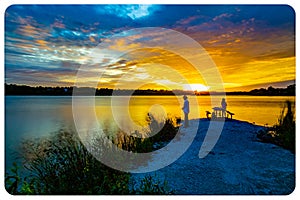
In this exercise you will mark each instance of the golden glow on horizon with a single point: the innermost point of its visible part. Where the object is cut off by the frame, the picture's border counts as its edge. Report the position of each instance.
(156, 67)
(251, 73)
(196, 87)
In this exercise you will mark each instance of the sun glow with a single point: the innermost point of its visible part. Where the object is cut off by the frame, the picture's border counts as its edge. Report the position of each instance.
(196, 87)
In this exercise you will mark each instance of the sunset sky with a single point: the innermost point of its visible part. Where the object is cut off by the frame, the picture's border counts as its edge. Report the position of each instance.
(252, 46)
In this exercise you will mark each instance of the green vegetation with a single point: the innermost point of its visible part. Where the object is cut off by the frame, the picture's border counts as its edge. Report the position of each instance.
(286, 127)
(149, 186)
(283, 133)
(13, 89)
(62, 165)
(146, 142)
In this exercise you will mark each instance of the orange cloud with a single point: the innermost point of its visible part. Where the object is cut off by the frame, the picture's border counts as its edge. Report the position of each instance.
(92, 39)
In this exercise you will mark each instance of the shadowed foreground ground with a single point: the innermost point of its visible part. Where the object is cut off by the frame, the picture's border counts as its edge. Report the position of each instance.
(238, 164)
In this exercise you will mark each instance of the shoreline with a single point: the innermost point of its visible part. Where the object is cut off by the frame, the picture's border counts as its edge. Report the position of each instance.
(238, 164)
(204, 119)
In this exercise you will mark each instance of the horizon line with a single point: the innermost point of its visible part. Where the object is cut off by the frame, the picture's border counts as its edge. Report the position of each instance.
(151, 89)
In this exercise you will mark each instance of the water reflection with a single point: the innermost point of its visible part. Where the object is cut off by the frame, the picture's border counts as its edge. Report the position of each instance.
(34, 117)
(38, 116)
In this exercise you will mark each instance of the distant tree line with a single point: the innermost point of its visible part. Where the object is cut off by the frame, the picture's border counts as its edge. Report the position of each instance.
(13, 89)
(270, 91)
(289, 91)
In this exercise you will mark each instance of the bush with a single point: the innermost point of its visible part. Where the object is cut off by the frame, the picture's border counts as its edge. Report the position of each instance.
(283, 133)
(142, 143)
(286, 127)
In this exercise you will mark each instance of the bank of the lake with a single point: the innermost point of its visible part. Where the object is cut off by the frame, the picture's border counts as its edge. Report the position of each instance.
(238, 164)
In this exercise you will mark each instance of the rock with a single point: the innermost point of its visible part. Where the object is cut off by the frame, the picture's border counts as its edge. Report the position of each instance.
(267, 138)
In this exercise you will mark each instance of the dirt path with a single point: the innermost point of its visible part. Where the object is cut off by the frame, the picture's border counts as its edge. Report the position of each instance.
(238, 164)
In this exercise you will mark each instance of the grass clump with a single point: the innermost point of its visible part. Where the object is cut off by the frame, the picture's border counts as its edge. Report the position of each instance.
(150, 186)
(286, 127)
(159, 135)
(283, 133)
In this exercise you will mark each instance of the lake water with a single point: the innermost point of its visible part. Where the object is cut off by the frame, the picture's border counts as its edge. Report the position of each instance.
(38, 116)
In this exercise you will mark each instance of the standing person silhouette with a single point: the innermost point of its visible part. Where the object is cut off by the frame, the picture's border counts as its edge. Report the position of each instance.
(224, 106)
(186, 110)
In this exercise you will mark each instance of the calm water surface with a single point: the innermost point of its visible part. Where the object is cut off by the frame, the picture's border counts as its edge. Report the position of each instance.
(37, 116)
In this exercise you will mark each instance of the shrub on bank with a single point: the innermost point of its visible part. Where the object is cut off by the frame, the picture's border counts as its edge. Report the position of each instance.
(283, 133)
(286, 127)
(159, 135)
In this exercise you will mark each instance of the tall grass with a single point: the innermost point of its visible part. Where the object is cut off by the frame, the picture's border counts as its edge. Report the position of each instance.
(149, 185)
(61, 164)
(286, 127)
(283, 133)
(159, 135)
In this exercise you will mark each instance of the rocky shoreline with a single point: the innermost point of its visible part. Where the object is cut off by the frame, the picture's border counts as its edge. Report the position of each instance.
(238, 164)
